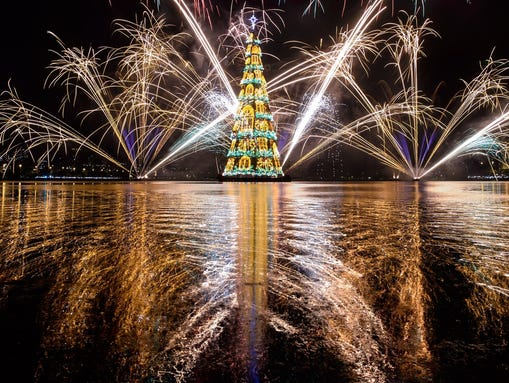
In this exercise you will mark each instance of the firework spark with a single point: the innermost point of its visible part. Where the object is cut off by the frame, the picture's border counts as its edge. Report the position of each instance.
(366, 19)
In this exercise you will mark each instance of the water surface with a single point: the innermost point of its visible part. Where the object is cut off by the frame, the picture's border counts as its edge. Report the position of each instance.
(294, 282)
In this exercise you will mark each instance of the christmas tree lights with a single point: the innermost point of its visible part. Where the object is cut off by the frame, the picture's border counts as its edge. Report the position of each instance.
(253, 150)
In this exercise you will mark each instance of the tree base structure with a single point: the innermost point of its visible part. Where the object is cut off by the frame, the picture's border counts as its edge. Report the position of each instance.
(222, 178)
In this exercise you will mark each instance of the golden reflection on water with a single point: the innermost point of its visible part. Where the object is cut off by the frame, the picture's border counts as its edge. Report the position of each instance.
(171, 281)
(390, 263)
(479, 238)
(252, 265)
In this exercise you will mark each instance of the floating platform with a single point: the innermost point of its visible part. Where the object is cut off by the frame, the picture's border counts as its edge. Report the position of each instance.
(221, 178)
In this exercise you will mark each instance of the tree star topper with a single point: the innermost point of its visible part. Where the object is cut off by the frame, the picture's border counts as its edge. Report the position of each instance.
(253, 20)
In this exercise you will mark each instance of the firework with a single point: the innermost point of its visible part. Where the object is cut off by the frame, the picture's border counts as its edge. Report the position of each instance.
(155, 98)
(367, 17)
(408, 133)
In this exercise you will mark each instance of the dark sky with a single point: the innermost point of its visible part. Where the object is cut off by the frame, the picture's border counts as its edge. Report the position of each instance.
(469, 33)
(25, 43)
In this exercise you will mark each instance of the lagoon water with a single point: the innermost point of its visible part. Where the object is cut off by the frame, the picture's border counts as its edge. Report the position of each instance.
(288, 282)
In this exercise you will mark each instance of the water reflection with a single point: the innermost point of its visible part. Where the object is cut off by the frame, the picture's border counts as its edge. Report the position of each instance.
(372, 282)
(384, 246)
(465, 237)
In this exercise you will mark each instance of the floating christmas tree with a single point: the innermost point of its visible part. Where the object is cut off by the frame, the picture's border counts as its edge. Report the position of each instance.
(253, 151)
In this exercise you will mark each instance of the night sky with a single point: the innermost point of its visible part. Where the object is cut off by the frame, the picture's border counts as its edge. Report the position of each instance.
(469, 29)
(468, 34)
